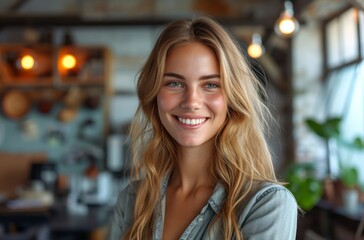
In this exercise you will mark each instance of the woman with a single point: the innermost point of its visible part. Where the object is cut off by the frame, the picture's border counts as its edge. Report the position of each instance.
(199, 151)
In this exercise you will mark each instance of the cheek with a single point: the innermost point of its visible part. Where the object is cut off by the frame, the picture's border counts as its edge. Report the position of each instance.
(164, 103)
(218, 104)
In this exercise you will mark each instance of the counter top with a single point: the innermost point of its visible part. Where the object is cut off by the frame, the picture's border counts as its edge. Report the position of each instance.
(58, 218)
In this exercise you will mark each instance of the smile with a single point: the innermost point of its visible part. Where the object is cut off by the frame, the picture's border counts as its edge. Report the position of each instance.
(191, 121)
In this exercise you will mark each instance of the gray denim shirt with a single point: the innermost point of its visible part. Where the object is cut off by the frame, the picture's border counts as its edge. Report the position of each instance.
(269, 213)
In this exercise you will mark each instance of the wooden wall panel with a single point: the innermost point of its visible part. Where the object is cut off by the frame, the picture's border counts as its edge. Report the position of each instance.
(15, 169)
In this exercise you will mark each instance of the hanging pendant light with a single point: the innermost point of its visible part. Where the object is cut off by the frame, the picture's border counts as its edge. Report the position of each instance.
(287, 25)
(68, 61)
(256, 49)
(68, 57)
(27, 62)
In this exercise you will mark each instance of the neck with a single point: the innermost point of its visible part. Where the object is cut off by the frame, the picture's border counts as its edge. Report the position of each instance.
(193, 168)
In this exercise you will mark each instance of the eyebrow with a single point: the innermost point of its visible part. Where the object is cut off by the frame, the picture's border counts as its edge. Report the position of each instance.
(176, 75)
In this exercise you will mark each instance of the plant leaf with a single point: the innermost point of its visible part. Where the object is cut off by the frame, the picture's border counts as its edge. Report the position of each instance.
(303, 184)
(316, 127)
(358, 143)
(349, 176)
(327, 129)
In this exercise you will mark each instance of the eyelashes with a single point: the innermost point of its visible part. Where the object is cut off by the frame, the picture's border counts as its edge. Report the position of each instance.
(207, 85)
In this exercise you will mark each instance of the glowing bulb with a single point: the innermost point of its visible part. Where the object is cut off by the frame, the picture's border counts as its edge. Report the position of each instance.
(27, 62)
(287, 24)
(256, 49)
(68, 61)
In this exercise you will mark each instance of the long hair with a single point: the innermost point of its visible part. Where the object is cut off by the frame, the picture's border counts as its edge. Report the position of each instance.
(242, 154)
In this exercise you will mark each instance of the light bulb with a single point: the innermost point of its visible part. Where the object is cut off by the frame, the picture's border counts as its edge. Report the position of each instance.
(256, 49)
(68, 61)
(287, 25)
(27, 62)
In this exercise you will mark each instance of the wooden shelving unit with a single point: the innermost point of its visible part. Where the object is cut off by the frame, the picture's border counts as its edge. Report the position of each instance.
(91, 67)
(49, 81)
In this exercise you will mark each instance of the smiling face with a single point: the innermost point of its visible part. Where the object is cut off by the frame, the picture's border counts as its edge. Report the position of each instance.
(191, 103)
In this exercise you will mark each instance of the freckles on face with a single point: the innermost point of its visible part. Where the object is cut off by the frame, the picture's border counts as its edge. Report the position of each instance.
(191, 103)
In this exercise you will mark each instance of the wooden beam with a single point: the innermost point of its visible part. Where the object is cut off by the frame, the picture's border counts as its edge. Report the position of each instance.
(300, 5)
(16, 5)
(78, 20)
(358, 3)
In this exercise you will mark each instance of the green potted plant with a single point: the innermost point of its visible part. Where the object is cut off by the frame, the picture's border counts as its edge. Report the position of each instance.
(349, 192)
(304, 185)
(328, 130)
(349, 177)
(348, 174)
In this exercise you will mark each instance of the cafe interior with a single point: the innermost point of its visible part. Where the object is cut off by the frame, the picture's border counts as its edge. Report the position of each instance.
(68, 72)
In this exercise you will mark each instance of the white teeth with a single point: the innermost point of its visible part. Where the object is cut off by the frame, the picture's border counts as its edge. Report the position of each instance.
(189, 121)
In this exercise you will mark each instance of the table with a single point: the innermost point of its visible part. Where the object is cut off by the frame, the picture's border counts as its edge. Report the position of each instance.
(336, 222)
(61, 223)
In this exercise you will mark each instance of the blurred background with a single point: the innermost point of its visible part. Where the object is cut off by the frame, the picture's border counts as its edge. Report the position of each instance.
(68, 71)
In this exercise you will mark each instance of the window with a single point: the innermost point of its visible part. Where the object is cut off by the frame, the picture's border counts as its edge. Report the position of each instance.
(344, 84)
(342, 40)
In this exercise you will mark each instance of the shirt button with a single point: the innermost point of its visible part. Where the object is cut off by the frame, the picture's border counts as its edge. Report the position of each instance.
(200, 219)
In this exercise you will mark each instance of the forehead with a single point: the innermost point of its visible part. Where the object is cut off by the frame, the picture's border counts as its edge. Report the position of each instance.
(195, 55)
(190, 45)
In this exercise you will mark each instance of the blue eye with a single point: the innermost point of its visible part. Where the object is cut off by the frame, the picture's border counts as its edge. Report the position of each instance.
(211, 85)
(174, 84)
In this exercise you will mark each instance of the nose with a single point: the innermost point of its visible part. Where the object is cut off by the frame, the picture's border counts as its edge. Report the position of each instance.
(192, 99)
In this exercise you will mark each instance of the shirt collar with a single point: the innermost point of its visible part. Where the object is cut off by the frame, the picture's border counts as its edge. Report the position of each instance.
(215, 201)
(217, 198)
(164, 185)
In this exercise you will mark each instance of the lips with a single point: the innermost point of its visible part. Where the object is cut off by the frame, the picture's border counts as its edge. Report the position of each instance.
(191, 121)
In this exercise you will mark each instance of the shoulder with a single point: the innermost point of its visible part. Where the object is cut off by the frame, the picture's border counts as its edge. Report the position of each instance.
(273, 195)
(272, 192)
(126, 199)
(128, 193)
(123, 211)
(270, 209)
(267, 198)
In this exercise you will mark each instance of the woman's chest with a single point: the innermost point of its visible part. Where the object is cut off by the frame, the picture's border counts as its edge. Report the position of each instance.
(183, 218)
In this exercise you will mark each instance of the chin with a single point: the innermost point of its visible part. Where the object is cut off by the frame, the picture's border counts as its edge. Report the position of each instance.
(188, 143)
(192, 143)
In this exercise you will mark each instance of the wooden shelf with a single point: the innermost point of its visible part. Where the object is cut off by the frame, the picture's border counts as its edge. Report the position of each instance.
(91, 66)
(63, 86)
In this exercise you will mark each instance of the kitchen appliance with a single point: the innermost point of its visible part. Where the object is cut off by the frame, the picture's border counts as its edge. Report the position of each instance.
(45, 173)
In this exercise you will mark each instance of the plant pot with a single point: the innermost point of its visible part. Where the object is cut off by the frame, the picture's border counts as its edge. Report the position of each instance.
(350, 200)
(361, 196)
(329, 190)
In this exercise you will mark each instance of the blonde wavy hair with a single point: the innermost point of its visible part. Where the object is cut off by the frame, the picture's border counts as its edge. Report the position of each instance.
(242, 154)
